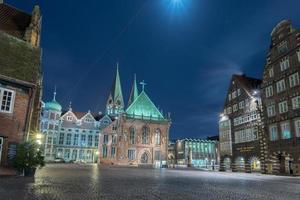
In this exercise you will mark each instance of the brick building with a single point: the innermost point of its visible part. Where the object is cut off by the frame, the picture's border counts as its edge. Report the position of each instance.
(281, 100)
(139, 136)
(20, 77)
(240, 127)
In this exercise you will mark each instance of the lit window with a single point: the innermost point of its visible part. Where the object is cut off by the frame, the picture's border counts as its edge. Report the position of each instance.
(294, 79)
(61, 138)
(284, 64)
(229, 97)
(131, 154)
(296, 102)
(76, 138)
(229, 110)
(104, 151)
(285, 130)
(269, 91)
(283, 107)
(68, 140)
(114, 139)
(282, 47)
(235, 107)
(132, 135)
(297, 127)
(83, 140)
(271, 111)
(298, 55)
(69, 118)
(271, 72)
(157, 137)
(280, 86)
(145, 135)
(238, 92)
(242, 105)
(113, 152)
(233, 95)
(96, 140)
(90, 140)
(105, 139)
(273, 132)
(6, 100)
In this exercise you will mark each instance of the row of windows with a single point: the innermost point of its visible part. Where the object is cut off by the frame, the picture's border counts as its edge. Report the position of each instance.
(285, 130)
(234, 94)
(132, 136)
(75, 154)
(74, 140)
(284, 63)
(242, 104)
(79, 130)
(281, 85)
(200, 147)
(283, 106)
(6, 100)
(245, 135)
(226, 147)
(245, 118)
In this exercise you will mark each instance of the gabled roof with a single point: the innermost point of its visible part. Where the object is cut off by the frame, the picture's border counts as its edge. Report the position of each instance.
(144, 107)
(247, 82)
(13, 21)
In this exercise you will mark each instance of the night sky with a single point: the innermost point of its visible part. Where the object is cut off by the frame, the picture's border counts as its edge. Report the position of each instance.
(186, 52)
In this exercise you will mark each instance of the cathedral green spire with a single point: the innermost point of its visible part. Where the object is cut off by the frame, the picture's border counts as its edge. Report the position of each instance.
(134, 92)
(115, 102)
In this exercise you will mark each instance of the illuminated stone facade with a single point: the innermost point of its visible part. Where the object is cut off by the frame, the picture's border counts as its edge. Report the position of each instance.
(139, 136)
(71, 136)
(281, 100)
(197, 153)
(239, 126)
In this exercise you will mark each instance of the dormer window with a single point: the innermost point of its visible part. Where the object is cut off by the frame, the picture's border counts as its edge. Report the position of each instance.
(69, 118)
(284, 64)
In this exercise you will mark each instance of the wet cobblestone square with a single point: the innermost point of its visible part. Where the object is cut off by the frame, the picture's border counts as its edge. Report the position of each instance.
(63, 181)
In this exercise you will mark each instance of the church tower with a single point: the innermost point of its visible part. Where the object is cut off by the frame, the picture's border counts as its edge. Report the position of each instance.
(115, 102)
(134, 92)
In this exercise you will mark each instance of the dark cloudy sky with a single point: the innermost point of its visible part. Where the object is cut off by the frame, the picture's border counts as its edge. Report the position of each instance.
(185, 52)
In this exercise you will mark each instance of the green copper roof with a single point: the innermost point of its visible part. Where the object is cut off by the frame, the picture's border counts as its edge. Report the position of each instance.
(134, 92)
(144, 107)
(53, 105)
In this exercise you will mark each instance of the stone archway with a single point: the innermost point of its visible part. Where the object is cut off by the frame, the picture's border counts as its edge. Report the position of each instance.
(282, 163)
(255, 165)
(145, 158)
(227, 163)
(239, 164)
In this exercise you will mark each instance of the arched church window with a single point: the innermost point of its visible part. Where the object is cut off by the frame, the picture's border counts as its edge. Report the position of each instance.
(145, 135)
(157, 137)
(132, 135)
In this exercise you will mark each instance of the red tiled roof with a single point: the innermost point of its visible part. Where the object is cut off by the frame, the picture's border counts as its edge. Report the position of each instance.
(13, 21)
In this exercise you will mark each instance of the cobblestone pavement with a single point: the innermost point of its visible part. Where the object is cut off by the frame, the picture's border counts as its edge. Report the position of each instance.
(63, 181)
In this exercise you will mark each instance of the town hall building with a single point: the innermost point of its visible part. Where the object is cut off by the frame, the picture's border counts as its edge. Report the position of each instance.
(139, 136)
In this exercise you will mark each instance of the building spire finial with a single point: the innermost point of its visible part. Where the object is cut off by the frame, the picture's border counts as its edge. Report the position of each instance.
(54, 93)
(143, 83)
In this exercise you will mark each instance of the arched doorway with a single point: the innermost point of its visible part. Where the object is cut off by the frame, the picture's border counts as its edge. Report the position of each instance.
(227, 164)
(144, 158)
(255, 164)
(240, 164)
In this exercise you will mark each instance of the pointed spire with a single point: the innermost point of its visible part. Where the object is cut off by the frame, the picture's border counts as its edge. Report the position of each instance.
(70, 106)
(54, 94)
(134, 92)
(115, 103)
